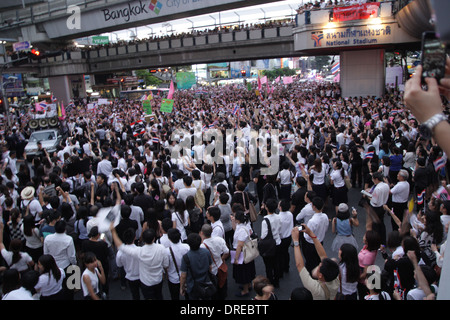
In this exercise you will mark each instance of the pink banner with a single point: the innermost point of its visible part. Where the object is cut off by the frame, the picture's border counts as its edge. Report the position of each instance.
(356, 12)
(287, 80)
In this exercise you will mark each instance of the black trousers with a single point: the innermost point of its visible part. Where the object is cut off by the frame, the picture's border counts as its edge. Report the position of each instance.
(312, 259)
(380, 226)
(285, 258)
(272, 264)
(399, 210)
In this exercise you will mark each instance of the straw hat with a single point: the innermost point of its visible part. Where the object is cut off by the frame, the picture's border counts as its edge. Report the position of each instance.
(27, 193)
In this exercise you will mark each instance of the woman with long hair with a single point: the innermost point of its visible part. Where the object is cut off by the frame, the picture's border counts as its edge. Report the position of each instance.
(349, 272)
(338, 188)
(15, 258)
(318, 173)
(33, 240)
(180, 218)
(432, 234)
(50, 284)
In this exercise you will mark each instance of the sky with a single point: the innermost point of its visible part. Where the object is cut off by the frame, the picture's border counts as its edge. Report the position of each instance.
(254, 14)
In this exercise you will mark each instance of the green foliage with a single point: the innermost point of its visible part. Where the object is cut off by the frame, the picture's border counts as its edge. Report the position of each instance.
(149, 79)
(272, 74)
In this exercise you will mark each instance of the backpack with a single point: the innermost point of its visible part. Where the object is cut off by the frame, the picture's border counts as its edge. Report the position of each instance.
(164, 187)
(200, 197)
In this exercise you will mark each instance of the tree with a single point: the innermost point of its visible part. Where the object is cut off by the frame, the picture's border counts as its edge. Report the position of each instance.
(321, 63)
(272, 74)
(149, 79)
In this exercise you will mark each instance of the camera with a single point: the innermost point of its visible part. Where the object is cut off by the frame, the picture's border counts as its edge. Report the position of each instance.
(300, 228)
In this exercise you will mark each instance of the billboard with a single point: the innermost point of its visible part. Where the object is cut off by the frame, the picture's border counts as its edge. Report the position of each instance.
(185, 80)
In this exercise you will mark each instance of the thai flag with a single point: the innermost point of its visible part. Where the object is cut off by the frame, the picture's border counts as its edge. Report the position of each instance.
(364, 105)
(375, 116)
(317, 123)
(369, 155)
(287, 141)
(135, 123)
(155, 140)
(439, 163)
(420, 197)
(204, 128)
(236, 110)
(331, 122)
(393, 112)
(335, 68)
(137, 133)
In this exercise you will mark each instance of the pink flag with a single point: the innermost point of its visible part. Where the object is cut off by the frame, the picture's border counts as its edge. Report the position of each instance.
(259, 84)
(264, 80)
(63, 112)
(277, 79)
(287, 80)
(171, 90)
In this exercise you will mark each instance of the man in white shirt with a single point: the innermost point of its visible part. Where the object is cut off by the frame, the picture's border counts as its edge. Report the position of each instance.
(175, 252)
(153, 260)
(272, 263)
(286, 225)
(307, 212)
(400, 194)
(213, 215)
(379, 198)
(105, 166)
(130, 264)
(219, 253)
(318, 224)
(61, 247)
(188, 190)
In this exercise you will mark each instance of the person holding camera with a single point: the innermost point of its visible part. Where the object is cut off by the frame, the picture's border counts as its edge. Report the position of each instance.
(324, 281)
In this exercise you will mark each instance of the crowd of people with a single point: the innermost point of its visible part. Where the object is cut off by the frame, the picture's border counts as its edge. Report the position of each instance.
(184, 207)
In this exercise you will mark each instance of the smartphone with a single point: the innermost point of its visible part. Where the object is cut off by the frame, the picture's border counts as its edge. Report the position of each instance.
(433, 56)
(301, 228)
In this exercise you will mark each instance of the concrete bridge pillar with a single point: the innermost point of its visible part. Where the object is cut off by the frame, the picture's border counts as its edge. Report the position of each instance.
(362, 73)
(67, 87)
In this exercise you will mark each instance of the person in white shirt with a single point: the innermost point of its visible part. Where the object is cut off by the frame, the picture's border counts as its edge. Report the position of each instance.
(92, 277)
(153, 260)
(175, 252)
(29, 280)
(319, 225)
(307, 212)
(400, 196)
(180, 218)
(379, 198)
(61, 247)
(188, 190)
(286, 225)
(50, 285)
(284, 178)
(219, 251)
(272, 263)
(105, 166)
(130, 264)
(213, 215)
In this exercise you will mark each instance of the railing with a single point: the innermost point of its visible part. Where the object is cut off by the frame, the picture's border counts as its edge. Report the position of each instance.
(325, 15)
(175, 43)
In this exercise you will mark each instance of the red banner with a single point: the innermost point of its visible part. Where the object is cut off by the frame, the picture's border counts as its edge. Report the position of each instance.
(356, 12)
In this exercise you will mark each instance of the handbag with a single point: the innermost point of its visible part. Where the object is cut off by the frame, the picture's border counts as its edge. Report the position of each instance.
(267, 246)
(204, 290)
(348, 183)
(222, 271)
(250, 210)
(250, 249)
